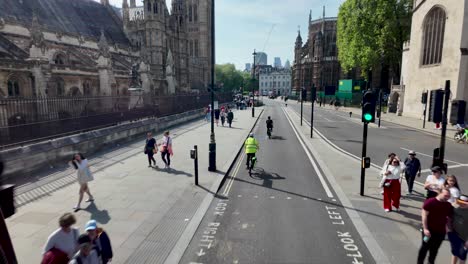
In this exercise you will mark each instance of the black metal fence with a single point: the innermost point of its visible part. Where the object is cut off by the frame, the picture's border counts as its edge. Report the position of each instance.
(25, 120)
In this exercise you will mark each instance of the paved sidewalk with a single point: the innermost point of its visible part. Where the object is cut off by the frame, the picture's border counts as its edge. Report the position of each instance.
(396, 233)
(144, 210)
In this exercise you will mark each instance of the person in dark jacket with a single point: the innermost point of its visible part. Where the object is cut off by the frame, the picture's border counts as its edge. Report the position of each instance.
(150, 148)
(230, 117)
(100, 240)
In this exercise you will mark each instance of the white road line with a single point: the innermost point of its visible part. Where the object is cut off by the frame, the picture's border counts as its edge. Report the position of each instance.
(450, 167)
(422, 154)
(234, 175)
(312, 161)
(327, 119)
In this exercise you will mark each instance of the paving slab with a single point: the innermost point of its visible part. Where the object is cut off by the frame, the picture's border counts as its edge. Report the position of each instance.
(144, 210)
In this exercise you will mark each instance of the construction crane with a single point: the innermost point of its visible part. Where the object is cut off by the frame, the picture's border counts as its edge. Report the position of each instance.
(268, 37)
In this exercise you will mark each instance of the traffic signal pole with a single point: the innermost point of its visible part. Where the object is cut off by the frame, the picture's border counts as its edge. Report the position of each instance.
(444, 120)
(364, 153)
(302, 106)
(380, 106)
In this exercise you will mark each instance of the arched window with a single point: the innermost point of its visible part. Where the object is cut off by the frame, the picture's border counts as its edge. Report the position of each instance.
(87, 88)
(13, 88)
(155, 8)
(195, 13)
(149, 6)
(433, 36)
(75, 91)
(196, 48)
(190, 13)
(59, 59)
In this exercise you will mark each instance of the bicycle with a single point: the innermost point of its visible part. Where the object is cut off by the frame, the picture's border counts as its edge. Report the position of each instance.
(462, 136)
(252, 165)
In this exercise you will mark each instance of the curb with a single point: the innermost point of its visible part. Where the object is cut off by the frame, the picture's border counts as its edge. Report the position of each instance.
(178, 250)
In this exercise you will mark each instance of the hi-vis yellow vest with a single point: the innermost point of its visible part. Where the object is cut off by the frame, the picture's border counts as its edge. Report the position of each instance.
(251, 145)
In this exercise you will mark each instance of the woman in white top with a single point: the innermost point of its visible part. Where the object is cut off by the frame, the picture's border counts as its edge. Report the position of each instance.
(434, 182)
(452, 184)
(166, 149)
(391, 184)
(84, 176)
(65, 238)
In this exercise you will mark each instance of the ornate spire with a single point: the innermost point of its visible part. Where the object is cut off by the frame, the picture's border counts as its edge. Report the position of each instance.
(310, 15)
(125, 4)
(103, 45)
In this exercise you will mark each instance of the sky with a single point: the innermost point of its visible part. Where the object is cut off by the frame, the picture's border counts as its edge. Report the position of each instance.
(244, 25)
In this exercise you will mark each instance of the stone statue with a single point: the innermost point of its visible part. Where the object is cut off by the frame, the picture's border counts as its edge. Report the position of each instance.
(136, 82)
(170, 78)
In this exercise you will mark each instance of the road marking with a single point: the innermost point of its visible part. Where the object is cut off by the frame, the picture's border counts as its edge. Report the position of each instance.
(289, 198)
(327, 119)
(256, 196)
(239, 196)
(422, 154)
(272, 197)
(312, 161)
(450, 167)
(234, 175)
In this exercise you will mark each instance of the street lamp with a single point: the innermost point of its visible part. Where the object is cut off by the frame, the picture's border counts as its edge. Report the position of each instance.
(212, 145)
(253, 84)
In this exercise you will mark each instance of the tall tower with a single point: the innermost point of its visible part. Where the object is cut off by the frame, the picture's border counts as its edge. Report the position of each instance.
(297, 62)
(154, 49)
(132, 4)
(179, 48)
(198, 13)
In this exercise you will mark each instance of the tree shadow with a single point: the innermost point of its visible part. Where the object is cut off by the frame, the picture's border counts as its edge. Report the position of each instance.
(101, 216)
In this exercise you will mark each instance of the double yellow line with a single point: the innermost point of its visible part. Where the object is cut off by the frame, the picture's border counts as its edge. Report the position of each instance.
(234, 175)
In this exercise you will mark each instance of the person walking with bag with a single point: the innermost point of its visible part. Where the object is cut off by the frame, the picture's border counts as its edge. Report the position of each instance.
(84, 176)
(166, 149)
(150, 148)
(391, 184)
(413, 168)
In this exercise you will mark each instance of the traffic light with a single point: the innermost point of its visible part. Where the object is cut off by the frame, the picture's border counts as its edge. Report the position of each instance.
(368, 107)
(436, 105)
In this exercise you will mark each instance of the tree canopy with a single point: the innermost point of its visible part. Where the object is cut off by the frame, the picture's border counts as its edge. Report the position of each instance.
(372, 32)
(231, 79)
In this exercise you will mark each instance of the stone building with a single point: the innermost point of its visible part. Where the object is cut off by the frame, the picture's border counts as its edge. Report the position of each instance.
(275, 80)
(316, 60)
(82, 47)
(437, 51)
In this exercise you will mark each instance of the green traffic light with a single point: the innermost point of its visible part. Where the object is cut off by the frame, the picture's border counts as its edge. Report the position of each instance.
(367, 117)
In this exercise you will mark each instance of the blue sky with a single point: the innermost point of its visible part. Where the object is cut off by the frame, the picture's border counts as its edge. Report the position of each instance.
(242, 25)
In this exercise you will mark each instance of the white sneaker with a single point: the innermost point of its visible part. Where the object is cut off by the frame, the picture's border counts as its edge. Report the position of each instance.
(387, 210)
(76, 208)
(397, 209)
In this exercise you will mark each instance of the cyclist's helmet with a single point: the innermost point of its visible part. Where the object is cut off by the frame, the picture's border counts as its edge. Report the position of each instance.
(251, 135)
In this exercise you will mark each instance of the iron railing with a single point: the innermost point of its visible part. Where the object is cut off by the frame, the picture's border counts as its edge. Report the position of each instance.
(25, 120)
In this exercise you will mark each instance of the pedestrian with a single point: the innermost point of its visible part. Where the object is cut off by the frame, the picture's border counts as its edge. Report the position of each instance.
(150, 148)
(385, 165)
(223, 116)
(87, 253)
(391, 184)
(166, 150)
(207, 113)
(451, 183)
(434, 182)
(63, 240)
(84, 176)
(458, 233)
(230, 117)
(100, 240)
(413, 168)
(217, 113)
(436, 212)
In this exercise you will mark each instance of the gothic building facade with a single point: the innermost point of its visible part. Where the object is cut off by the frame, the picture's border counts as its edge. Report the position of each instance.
(316, 60)
(69, 48)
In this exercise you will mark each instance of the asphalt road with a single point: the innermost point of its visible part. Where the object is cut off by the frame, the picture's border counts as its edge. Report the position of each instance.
(281, 214)
(346, 133)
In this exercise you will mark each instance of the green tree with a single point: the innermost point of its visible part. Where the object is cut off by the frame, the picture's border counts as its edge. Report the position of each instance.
(372, 32)
(228, 77)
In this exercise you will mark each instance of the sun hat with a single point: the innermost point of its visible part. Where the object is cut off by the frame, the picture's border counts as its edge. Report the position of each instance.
(91, 225)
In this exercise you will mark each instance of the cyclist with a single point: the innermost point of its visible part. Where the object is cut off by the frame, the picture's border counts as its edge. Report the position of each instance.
(251, 147)
(269, 124)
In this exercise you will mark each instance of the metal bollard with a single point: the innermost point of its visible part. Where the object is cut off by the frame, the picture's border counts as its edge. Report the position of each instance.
(194, 156)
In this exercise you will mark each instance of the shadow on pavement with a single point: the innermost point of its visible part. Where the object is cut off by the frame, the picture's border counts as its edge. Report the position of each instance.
(173, 171)
(277, 138)
(216, 195)
(267, 177)
(101, 216)
(410, 222)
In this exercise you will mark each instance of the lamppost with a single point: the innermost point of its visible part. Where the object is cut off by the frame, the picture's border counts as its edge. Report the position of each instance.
(253, 84)
(212, 145)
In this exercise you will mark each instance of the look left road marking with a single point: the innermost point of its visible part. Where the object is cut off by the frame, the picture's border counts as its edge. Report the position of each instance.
(312, 161)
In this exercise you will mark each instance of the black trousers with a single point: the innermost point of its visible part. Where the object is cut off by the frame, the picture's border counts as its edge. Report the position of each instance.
(249, 158)
(410, 181)
(150, 157)
(164, 155)
(432, 246)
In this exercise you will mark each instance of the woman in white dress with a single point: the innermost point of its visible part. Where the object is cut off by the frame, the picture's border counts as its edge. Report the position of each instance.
(83, 176)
